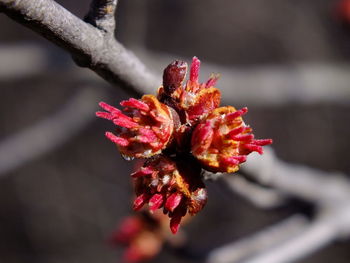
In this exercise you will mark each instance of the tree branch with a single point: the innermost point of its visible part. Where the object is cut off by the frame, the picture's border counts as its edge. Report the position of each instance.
(269, 237)
(303, 182)
(50, 132)
(330, 194)
(317, 235)
(102, 15)
(89, 46)
(264, 198)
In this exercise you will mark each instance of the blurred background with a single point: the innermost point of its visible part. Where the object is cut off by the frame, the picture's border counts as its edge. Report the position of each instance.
(64, 188)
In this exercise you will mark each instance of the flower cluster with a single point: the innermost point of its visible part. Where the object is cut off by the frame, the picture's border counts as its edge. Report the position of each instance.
(141, 234)
(180, 132)
(175, 185)
(342, 12)
(144, 127)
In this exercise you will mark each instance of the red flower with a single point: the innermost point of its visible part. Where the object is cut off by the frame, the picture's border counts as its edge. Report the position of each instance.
(142, 235)
(144, 127)
(174, 185)
(222, 140)
(183, 131)
(343, 11)
(193, 100)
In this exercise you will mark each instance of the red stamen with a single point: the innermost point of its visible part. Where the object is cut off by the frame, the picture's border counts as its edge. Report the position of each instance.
(140, 201)
(173, 201)
(263, 142)
(116, 139)
(234, 160)
(155, 202)
(104, 115)
(236, 131)
(203, 136)
(230, 161)
(243, 137)
(237, 114)
(142, 172)
(194, 71)
(240, 158)
(124, 121)
(175, 223)
(212, 81)
(134, 103)
(108, 107)
(254, 148)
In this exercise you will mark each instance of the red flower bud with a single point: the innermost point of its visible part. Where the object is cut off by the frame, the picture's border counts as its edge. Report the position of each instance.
(199, 99)
(142, 235)
(144, 127)
(193, 100)
(174, 185)
(222, 140)
(174, 76)
(127, 230)
(173, 201)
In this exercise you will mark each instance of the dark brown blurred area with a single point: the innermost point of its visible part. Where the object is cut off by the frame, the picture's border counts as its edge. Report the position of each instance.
(63, 205)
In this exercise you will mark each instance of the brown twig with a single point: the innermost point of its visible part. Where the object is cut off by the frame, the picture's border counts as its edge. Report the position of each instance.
(89, 45)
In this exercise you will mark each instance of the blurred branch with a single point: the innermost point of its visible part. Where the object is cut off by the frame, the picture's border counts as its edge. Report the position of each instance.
(271, 236)
(319, 187)
(269, 85)
(20, 61)
(263, 85)
(320, 233)
(49, 133)
(329, 192)
(262, 197)
(90, 46)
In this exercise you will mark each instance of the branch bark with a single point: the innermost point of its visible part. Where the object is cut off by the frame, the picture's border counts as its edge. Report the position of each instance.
(89, 45)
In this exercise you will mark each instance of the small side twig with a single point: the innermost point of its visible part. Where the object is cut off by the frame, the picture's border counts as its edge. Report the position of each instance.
(102, 15)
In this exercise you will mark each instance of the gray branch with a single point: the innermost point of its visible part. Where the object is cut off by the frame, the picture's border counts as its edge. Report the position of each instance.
(319, 234)
(258, 242)
(329, 192)
(264, 198)
(89, 45)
